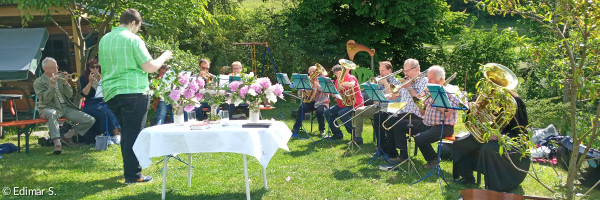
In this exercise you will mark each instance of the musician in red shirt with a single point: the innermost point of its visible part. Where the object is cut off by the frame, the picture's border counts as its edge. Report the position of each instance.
(349, 82)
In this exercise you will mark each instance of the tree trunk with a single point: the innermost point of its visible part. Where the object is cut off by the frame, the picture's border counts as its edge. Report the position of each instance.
(573, 169)
(567, 90)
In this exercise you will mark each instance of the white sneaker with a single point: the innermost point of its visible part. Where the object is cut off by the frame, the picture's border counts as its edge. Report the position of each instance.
(117, 139)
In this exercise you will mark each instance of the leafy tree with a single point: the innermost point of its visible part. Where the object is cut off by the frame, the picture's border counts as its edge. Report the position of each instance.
(164, 16)
(476, 47)
(395, 29)
(574, 28)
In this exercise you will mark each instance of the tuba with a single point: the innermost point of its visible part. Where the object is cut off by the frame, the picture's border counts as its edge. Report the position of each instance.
(348, 99)
(308, 97)
(494, 107)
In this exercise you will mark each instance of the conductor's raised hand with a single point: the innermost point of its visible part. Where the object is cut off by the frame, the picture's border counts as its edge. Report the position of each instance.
(168, 55)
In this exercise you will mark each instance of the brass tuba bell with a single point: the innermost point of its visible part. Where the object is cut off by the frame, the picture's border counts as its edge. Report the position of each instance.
(348, 99)
(309, 96)
(494, 107)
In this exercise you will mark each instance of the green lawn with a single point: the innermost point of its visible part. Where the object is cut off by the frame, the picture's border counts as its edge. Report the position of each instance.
(319, 171)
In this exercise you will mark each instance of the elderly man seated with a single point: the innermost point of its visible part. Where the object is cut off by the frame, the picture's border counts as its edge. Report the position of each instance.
(54, 92)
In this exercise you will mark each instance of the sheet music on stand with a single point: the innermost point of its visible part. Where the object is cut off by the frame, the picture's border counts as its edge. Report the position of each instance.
(374, 91)
(440, 97)
(282, 78)
(223, 80)
(301, 81)
(234, 78)
(328, 86)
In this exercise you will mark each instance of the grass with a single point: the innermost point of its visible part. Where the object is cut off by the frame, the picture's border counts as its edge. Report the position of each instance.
(321, 171)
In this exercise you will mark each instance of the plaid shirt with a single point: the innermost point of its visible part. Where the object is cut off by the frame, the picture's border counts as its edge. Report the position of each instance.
(321, 98)
(434, 117)
(418, 85)
(121, 54)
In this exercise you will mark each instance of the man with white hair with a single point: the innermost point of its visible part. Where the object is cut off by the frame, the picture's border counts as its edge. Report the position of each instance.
(434, 118)
(54, 92)
(236, 69)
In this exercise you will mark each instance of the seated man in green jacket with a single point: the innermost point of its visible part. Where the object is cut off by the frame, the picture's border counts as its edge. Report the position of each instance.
(53, 93)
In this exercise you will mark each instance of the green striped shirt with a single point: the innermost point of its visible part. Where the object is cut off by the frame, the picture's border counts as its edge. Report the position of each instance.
(121, 54)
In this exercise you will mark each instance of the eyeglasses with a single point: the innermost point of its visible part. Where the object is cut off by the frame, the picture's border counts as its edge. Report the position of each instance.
(410, 69)
(94, 66)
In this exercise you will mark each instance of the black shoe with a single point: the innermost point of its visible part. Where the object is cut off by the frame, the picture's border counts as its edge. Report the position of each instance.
(139, 180)
(335, 137)
(464, 181)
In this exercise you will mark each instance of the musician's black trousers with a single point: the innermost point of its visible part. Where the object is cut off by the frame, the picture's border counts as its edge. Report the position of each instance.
(308, 108)
(397, 137)
(465, 155)
(424, 139)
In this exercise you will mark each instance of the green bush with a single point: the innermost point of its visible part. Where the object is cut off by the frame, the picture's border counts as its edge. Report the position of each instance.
(475, 48)
(543, 112)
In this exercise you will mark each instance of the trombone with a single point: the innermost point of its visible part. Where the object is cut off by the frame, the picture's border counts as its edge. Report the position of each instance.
(419, 76)
(373, 80)
(418, 102)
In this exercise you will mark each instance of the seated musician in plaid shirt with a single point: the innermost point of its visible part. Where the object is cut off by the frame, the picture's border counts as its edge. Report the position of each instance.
(433, 118)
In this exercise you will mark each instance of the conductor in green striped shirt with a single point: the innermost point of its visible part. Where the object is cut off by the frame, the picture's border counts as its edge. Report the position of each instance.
(125, 65)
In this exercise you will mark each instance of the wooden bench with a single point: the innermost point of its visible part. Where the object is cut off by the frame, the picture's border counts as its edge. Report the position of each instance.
(26, 128)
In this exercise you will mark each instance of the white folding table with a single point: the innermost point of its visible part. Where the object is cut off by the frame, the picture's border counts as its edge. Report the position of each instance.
(168, 139)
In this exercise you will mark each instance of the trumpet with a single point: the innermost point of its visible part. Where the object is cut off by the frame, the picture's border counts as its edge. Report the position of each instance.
(73, 77)
(97, 78)
(207, 76)
(418, 101)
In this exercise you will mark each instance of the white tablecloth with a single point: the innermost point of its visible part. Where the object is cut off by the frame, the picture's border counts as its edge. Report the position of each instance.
(167, 139)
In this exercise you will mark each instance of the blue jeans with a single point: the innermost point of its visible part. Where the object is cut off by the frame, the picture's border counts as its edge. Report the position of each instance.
(98, 109)
(333, 113)
(161, 112)
(131, 111)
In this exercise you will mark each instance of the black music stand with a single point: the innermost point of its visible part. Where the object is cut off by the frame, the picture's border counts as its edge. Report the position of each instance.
(440, 100)
(283, 80)
(328, 88)
(302, 83)
(376, 94)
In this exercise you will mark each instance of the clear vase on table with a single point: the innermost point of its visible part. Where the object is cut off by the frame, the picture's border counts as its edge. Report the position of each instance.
(254, 115)
(178, 116)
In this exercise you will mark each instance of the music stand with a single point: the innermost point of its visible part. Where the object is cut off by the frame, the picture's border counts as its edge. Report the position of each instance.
(440, 100)
(234, 78)
(329, 88)
(302, 82)
(376, 94)
(283, 80)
